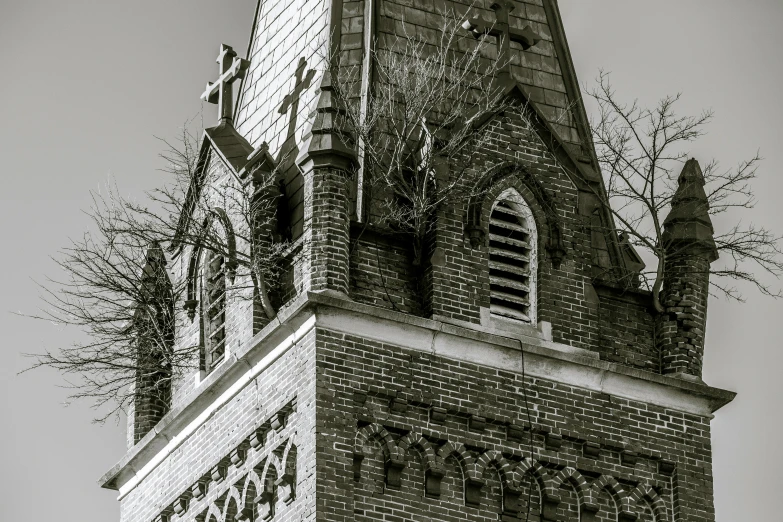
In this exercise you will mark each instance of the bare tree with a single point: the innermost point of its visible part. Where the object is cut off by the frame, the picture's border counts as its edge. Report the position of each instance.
(641, 152)
(117, 289)
(421, 125)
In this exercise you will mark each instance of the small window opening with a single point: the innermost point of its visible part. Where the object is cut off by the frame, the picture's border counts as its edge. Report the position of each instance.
(214, 310)
(512, 258)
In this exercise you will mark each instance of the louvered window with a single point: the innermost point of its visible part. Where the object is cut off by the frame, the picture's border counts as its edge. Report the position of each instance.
(512, 258)
(214, 310)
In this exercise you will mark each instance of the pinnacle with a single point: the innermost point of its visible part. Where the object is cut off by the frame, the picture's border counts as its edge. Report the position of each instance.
(689, 221)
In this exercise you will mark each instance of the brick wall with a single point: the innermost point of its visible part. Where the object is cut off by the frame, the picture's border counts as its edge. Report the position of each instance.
(681, 329)
(627, 328)
(383, 432)
(392, 419)
(286, 387)
(460, 282)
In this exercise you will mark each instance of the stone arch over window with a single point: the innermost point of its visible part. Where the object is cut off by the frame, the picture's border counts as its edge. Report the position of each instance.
(534, 209)
(512, 240)
(538, 200)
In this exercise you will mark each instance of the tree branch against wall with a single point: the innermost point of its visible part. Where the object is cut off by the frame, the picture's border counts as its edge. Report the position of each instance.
(422, 134)
(641, 152)
(117, 289)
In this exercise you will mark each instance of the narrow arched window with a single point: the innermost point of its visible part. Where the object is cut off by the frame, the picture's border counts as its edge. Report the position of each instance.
(213, 309)
(512, 258)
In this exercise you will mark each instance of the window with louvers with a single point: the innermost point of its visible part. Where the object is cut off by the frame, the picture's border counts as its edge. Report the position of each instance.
(214, 310)
(512, 259)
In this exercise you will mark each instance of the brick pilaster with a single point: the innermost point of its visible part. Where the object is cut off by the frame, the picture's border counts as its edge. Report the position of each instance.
(327, 225)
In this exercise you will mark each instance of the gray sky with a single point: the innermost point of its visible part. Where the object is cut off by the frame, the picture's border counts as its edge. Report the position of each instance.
(87, 85)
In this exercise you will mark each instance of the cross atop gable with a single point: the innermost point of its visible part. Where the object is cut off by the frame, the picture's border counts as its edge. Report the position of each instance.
(232, 68)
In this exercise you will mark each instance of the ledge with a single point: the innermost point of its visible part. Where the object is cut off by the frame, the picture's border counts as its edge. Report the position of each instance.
(540, 357)
(537, 357)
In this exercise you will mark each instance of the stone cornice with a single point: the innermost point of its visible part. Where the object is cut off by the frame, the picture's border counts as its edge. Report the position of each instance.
(542, 359)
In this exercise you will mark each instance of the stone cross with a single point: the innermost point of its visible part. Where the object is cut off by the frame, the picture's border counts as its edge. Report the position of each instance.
(501, 30)
(302, 82)
(232, 68)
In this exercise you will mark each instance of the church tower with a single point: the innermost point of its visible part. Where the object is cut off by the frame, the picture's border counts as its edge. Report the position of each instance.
(502, 368)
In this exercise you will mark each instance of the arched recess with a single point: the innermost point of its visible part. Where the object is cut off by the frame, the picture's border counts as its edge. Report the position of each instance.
(209, 273)
(198, 248)
(575, 495)
(152, 331)
(648, 502)
(232, 505)
(250, 491)
(541, 204)
(610, 499)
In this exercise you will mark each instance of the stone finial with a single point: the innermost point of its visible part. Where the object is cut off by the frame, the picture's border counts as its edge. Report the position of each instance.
(688, 221)
(329, 132)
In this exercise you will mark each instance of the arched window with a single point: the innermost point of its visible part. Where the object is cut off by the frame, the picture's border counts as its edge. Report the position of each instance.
(513, 259)
(213, 309)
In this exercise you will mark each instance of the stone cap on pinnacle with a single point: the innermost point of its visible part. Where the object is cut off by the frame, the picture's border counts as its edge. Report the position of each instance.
(327, 133)
(689, 221)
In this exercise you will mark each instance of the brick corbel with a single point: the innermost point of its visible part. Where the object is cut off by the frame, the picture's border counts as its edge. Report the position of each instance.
(238, 455)
(218, 473)
(512, 501)
(265, 504)
(629, 458)
(394, 467)
(549, 507)
(438, 414)
(245, 515)
(589, 513)
(553, 441)
(432, 482)
(286, 488)
(473, 487)
(591, 449)
(181, 504)
(256, 439)
(199, 489)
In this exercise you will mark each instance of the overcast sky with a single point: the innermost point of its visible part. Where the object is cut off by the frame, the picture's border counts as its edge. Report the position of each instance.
(86, 86)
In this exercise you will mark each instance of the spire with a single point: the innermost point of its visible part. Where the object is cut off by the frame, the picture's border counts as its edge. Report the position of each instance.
(688, 221)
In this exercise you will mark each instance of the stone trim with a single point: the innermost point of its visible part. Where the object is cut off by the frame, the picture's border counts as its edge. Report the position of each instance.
(543, 359)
